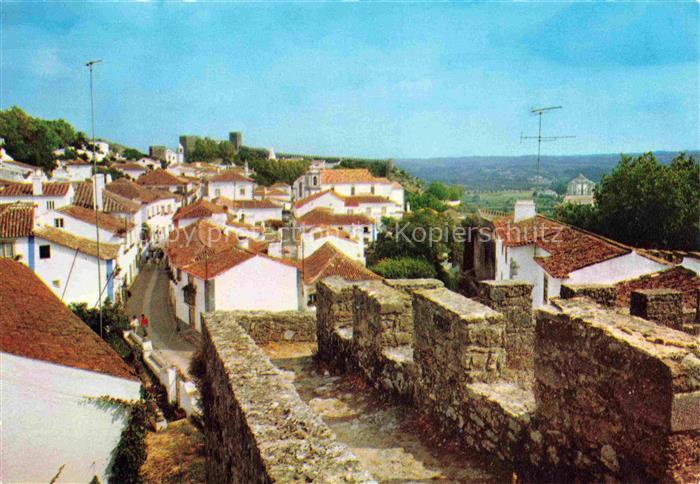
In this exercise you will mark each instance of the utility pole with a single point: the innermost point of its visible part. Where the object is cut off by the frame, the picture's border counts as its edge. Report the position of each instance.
(539, 112)
(90, 65)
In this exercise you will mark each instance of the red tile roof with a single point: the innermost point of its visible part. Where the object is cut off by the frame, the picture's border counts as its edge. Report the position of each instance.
(50, 189)
(116, 225)
(328, 261)
(227, 203)
(324, 216)
(570, 248)
(112, 202)
(209, 266)
(188, 243)
(36, 324)
(198, 209)
(678, 278)
(128, 166)
(230, 220)
(160, 178)
(356, 200)
(230, 176)
(133, 191)
(16, 220)
(349, 175)
(81, 244)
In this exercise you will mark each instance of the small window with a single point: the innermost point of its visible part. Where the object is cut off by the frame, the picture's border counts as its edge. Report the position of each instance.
(545, 289)
(56, 283)
(312, 299)
(7, 248)
(50, 205)
(365, 230)
(352, 190)
(44, 252)
(372, 190)
(242, 191)
(314, 182)
(58, 223)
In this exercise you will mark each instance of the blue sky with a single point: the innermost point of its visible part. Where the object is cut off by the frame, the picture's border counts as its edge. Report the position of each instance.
(363, 79)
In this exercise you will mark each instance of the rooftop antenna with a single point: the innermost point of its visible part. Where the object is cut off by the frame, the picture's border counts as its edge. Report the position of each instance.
(539, 112)
(90, 65)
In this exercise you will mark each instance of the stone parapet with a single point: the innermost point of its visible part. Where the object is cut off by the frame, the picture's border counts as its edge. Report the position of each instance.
(334, 322)
(513, 299)
(618, 397)
(257, 428)
(410, 285)
(664, 306)
(603, 294)
(269, 326)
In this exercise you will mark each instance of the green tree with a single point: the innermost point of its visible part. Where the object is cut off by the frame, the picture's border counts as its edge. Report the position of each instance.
(405, 268)
(132, 154)
(422, 200)
(226, 152)
(646, 204)
(205, 149)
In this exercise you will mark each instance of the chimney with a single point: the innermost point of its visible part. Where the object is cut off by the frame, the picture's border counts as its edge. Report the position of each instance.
(98, 190)
(524, 209)
(37, 185)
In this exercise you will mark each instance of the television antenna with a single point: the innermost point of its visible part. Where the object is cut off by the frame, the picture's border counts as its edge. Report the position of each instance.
(540, 139)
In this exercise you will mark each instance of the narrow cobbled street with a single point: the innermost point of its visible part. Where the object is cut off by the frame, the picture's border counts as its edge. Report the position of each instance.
(149, 296)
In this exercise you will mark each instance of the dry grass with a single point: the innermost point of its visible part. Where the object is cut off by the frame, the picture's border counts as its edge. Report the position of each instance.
(175, 455)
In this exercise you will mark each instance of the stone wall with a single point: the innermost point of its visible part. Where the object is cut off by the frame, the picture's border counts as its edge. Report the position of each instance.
(513, 299)
(664, 306)
(334, 322)
(257, 429)
(267, 326)
(603, 294)
(617, 397)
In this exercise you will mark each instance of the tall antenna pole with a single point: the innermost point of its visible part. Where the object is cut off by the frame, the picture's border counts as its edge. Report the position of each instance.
(90, 65)
(539, 112)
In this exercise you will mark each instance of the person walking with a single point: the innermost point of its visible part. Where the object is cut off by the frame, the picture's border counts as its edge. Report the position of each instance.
(144, 325)
(134, 324)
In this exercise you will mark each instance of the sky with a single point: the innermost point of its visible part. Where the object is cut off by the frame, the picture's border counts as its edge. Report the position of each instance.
(366, 79)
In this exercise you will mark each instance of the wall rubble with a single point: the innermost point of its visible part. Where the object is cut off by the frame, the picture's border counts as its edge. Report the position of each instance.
(257, 428)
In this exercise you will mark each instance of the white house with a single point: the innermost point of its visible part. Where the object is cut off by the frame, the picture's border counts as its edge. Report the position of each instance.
(374, 206)
(348, 182)
(16, 171)
(317, 237)
(251, 211)
(16, 226)
(547, 253)
(53, 364)
(46, 195)
(328, 199)
(73, 170)
(232, 184)
(354, 224)
(201, 209)
(131, 169)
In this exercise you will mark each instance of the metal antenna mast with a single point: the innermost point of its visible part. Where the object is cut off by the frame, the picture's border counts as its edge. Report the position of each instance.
(539, 112)
(90, 65)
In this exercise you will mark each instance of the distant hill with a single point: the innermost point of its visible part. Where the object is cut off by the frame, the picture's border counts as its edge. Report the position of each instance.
(516, 172)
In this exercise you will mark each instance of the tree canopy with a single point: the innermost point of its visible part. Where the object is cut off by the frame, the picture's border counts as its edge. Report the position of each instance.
(33, 140)
(405, 268)
(645, 203)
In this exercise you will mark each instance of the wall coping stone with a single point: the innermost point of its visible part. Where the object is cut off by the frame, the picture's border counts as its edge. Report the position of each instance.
(467, 309)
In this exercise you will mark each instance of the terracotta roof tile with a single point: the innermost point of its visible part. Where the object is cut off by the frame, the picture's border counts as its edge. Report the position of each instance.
(116, 225)
(324, 216)
(186, 244)
(570, 248)
(16, 220)
(50, 189)
(35, 324)
(356, 200)
(112, 202)
(230, 176)
(133, 191)
(227, 203)
(678, 278)
(328, 261)
(198, 209)
(315, 196)
(128, 166)
(160, 178)
(230, 220)
(349, 175)
(81, 244)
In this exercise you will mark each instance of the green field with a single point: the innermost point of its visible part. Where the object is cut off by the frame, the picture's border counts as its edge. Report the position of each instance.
(504, 201)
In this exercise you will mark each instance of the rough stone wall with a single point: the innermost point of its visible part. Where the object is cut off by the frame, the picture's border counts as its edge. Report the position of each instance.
(411, 285)
(257, 428)
(618, 397)
(512, 298)
(267, 326)
(334, 322)
(664, 306)
(603, 294)
(382, 319)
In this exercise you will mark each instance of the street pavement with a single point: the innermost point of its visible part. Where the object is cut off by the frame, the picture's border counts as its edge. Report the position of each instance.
(149, 296)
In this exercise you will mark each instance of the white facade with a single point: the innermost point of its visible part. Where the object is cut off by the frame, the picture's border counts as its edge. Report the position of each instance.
(217, 218)
(158, 215)
(234, 190)
(47, 421)
(44, 204)
(353, 248)
(328, 200)
(256, 215)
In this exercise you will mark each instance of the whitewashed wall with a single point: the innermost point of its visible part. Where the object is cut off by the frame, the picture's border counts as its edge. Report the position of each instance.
(47, 423)
(234, 191)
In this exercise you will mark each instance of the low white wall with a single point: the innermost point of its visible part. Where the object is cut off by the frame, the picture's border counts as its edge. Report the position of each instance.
(47, 422)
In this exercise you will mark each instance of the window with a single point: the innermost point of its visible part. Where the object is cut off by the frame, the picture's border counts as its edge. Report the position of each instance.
(365, 229)
(56, 283)
(50, 205)
(314, 181)
(312, 299)
(242, 191)
(7, 248)
(44, 252)
(352, 190)
(58, 223)
(372, 190)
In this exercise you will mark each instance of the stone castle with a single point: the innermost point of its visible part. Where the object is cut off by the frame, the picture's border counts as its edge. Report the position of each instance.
(576, 391)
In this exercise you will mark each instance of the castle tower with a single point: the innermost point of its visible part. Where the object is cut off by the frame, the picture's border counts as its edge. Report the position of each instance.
(236, 139)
